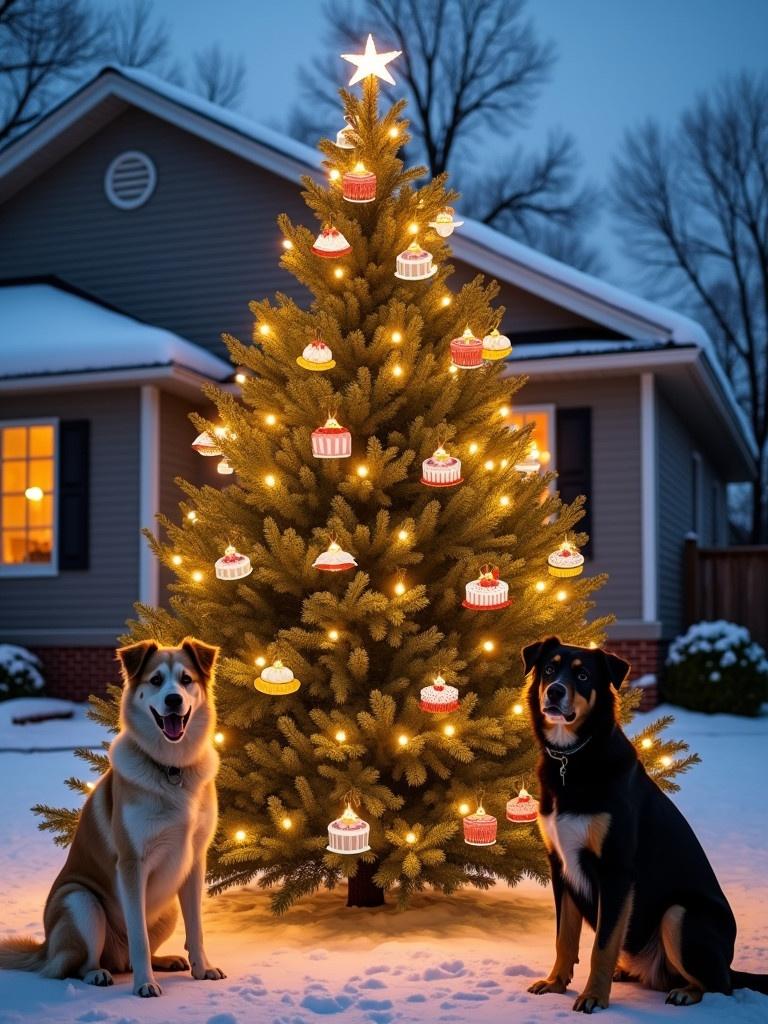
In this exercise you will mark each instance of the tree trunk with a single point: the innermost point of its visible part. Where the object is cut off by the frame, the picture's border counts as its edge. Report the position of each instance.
(361, 891)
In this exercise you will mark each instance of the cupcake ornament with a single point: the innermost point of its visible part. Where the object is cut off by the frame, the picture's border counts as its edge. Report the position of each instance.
(349, 834)
(566, 561)
(523, 808)
(496, 345)
(232, 565)
(487, 592)
(445, 223)
(467, 351)
(330, 244)
(277, 680)
(480, 828)
(414, 264)
(334, 559)
(317, 357)
(441, 469)
(331, 441)
(439, 698)
(359, 184)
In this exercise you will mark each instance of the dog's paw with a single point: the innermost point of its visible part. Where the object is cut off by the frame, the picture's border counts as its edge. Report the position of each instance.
(202, 973)
(547, 985)
(684, 996)
(98, 977)
(147, 989)
(589, 1001)
(169, 963)
(621, 975)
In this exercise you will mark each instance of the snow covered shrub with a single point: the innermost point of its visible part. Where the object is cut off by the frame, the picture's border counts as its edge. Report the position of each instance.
(715, 666)
(20, 674)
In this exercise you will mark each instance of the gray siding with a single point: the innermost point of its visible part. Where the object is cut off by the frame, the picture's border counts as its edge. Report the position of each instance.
(189, 260)
(77, 603)
(615, 506)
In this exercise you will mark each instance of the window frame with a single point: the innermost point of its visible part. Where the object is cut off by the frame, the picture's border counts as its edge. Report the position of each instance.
(550, 408)
(36, 569)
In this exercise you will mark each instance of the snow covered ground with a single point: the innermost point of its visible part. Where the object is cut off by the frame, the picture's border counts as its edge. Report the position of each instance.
(467, 958)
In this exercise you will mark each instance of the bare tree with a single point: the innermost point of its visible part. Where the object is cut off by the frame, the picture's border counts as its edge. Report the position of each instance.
(695, 203)
(43, 45)
(471, 70)
(136, 38)
(219, 77)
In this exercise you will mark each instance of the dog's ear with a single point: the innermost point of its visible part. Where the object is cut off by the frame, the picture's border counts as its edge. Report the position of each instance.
(203, 655)
(532, 652)
(616, 669)
(134, 657)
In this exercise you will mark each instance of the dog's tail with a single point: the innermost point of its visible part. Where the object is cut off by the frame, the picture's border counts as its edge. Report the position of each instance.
(21, 954)
(757, 982)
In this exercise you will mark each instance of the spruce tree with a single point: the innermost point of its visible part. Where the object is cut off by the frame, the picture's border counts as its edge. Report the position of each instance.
(364, 642)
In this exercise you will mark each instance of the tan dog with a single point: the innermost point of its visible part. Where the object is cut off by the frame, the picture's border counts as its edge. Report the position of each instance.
(143, 833)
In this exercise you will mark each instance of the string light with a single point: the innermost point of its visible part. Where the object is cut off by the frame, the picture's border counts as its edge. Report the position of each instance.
(362, 471)
(402, 740)
(334, 174)
(561, 595)
(270, 480)
(410, 838)
(338, 273)
(218, 738)
(413, 229)
(489, 464)
(402, 535)
(270, 419)
(397, 337)
(449, 730)
(464, 809)
(240, 835)
(240, 378)
(488, 646)
(452, 369)
(397, 370)
(264, 329)
(177, 559)
(90, 785)
(646, 744)
(504, 463)
(504, 500)
(517, 709)
(221, 431)
(592, 645)
(504, 411)
(286, 823)
(445, 301)
(541, 586)
(333, 634)
(192, 516)
(474, 447)
(287, 243)
(393, 133)
(400, 588)
(666, 760)
(341, 736)
(261, 661)
(34, 494)
(197, 576)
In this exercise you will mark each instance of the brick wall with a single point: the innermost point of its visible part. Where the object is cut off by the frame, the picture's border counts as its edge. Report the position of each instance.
(646, 657)
(74, 673)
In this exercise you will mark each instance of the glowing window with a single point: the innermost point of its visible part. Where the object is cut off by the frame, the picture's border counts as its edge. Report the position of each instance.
(27, 497)
(543, 434)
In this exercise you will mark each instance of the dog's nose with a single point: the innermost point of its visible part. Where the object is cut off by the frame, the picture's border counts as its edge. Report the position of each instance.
(555, 692)
(173, 701)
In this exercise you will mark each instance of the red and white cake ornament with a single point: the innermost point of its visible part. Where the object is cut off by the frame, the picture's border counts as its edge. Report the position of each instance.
(414, 264)
(441, 469)
(232, 565)
(317, 356)
(480, 828)
(444, 223)
(334, 559)
(331, 441)
(467, 351)
(487, 593)
(348, 834)
(523, 808)
(359, 184)
(439, 698)
(330, 244)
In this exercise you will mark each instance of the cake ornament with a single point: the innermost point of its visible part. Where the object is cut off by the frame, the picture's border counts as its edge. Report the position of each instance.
(414, 264)
(487, 592)
(439, 697)
(331, 441)
(359, 184)
(523, 808)
(496, 345)
(330, 244)
(349, 834)
(444, 223)
(467, 351)
(277, 680)
(334, 559)
(316, 356)
(204, 444)
(566, 561)
(232, 565)
(346, 137)
(441, 469)
(530, 463)
(480, 827)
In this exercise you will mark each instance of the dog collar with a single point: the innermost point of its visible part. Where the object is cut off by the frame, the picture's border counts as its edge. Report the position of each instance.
(172, 772)
(563, 754)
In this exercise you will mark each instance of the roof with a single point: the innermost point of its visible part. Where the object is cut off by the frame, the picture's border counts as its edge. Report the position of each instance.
(49, 332)
(114, 88)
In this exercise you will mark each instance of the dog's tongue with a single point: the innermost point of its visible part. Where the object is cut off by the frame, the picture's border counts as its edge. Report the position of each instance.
(172, 726)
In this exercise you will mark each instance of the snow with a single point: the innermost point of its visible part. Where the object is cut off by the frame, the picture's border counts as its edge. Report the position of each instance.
(460, 958)
(19, 662)
(731, 641)
(59, 734)
(49, 330)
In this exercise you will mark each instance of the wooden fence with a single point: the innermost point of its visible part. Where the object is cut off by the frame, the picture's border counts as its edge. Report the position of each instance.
(728, 583)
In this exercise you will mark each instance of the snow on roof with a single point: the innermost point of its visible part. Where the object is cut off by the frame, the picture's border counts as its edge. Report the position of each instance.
(47, 330)
(584, 347)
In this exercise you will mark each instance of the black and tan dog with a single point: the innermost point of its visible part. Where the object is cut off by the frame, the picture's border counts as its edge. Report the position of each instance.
(622, 856)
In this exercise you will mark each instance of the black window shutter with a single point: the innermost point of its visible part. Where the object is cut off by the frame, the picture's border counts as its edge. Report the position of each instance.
(574, 463)
(74, 487)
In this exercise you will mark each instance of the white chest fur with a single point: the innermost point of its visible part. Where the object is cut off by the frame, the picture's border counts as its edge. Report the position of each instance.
(568, 835)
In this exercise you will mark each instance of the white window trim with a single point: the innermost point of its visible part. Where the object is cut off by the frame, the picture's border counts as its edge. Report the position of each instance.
(35, 569)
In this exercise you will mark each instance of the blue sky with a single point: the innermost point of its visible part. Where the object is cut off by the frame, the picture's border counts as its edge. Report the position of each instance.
(620, 61)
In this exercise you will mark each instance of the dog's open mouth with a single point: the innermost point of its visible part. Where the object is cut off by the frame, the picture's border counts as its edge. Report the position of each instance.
(552, 711)
(173, 725)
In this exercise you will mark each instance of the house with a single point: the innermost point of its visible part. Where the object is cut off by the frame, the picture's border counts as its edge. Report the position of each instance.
(137, 222)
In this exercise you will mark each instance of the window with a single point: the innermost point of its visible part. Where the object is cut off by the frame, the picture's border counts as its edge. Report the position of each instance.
(543, 434)
(28, 498)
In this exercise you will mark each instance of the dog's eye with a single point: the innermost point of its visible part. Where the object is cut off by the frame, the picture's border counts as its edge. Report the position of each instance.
(156, 679)
(582, 676)
(186, 679)
(549, 670)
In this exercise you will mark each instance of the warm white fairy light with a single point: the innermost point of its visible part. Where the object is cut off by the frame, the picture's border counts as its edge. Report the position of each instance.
(240, 378)
(504, 500)
(362, 471)
(393, 132)
(270, 479)
(517, 709)
(341, 736)
(397, 370)
(402, 535)
(474, 448)
(413, 229)
(220, 431)
(333, 635)
(34, 493)
(90, 785)
(176, 559)
(218, 738)
(410, 838)
(445, 301)
(562, 595)
(504, 463)
(504, 411)
(264, 330)
(402, 740)
(286, 823)
(646, 743)
(449, 730)
(464, 809)
(453, 369)
(397, 337)
(338, 273)
(197, 576)
(400, 588)
(240, 835)
(334, 174)
(270, 419)
(541, 586)
(192, 516)
(287, 243)
(489, 464)
(488, 646)
(666, 760)
(261, 661)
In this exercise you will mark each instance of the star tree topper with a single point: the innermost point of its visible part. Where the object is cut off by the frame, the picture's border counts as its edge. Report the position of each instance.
(371, 62)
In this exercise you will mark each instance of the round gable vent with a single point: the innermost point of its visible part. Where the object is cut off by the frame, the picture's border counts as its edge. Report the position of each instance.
(130, 180)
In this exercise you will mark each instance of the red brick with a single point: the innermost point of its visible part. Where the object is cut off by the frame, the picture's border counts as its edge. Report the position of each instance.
(74, 673)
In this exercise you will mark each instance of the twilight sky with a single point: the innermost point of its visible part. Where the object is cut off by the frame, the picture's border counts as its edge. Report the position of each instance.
(619, 62)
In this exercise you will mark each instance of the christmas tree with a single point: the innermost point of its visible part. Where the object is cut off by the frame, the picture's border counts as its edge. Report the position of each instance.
(376, 476)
